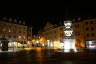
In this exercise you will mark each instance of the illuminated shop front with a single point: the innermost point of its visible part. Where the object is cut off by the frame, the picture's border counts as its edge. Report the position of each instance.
(53, 44)
(91, 44)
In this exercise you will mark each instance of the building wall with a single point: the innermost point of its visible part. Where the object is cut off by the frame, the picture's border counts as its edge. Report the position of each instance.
(54, 35)
(13, 31)
(82, 31)
(90, 29)
(78, 33)
(85, 30)
(29, 33)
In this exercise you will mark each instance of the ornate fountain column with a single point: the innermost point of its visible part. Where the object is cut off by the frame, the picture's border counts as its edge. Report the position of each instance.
(69, 41)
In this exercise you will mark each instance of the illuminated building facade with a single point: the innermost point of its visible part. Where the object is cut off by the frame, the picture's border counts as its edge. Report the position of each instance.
(79, 34)
(54, 35)
(85, 33)
(14, 30)
(39, 40)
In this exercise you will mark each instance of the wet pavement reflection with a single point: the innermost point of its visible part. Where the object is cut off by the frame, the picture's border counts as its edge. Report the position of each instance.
(46, 56)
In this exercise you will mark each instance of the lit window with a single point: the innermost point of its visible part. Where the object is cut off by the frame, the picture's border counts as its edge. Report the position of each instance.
(19, 36)
(9, 30)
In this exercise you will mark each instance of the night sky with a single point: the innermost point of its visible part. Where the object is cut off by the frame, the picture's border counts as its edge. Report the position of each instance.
(37, 17)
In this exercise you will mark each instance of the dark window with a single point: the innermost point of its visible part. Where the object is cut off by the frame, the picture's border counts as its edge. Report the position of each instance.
(93, 34)
(19, 31)
(14, 31)
(9, 36)
(54, 31)
(92, 28)
(86, 22)
(62, 35)
(24, 32)
(87, 28)
(71, 27)
(87, 35)
(14, 36)
(94, 22)
(91, 22)
(78, 33)
(77, 26)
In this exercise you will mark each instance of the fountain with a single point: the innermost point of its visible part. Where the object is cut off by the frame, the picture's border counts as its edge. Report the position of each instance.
(69, 41)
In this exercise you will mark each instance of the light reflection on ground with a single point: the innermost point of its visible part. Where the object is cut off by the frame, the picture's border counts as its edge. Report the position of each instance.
(46, 56)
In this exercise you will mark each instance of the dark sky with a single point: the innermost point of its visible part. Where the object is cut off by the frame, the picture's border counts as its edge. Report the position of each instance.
(37, 16)
(39, 20)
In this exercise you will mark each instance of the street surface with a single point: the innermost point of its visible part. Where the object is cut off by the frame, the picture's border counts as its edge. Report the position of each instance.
(46, 56)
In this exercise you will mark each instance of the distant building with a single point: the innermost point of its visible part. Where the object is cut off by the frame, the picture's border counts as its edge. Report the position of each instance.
(53, 35)
(83, 31)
